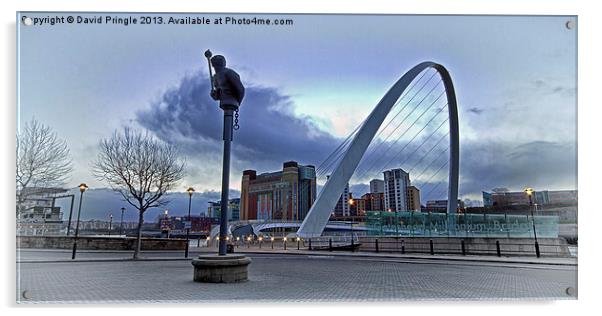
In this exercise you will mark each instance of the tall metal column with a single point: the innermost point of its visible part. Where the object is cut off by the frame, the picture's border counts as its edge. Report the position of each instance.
(223, 228)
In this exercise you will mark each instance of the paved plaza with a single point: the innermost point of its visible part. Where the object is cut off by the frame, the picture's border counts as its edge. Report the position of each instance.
(102, 277)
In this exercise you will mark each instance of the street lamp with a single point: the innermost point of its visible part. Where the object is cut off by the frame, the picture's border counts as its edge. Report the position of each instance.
(529, 192)
(110, 223)
(121, 223)
(82, 189)
(190, 191)
(166, 222)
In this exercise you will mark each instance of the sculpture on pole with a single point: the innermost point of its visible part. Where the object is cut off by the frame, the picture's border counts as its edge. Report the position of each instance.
(226, 88)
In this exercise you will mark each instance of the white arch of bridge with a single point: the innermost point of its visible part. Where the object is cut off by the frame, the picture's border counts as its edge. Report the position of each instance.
(317, 217)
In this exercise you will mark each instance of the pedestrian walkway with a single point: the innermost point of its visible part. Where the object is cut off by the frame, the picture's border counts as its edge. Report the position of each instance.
(64, 255)
(502, 259)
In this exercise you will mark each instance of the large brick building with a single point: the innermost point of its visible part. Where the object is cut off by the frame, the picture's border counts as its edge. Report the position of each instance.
(283, 195)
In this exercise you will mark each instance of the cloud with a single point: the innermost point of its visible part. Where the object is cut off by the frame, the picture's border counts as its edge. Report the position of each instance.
(475, 110)
(539, 164)
(554, 88)
(270, 133)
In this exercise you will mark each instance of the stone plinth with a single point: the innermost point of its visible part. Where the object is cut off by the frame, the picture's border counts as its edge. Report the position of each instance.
(221, 269)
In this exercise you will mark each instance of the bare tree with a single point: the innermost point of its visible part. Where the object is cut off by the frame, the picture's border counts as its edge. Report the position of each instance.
(141, 168)
(42, 159)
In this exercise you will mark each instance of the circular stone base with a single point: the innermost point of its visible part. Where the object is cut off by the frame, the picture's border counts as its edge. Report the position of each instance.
(221, 269)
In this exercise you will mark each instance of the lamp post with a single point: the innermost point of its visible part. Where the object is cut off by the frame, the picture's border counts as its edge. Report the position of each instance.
(82, 189)
(190, 191)
(121, 222)
(110, 223)
(166, 222)
(529, 192)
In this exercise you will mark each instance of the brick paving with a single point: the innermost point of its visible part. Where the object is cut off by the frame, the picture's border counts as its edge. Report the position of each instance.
(281, 278)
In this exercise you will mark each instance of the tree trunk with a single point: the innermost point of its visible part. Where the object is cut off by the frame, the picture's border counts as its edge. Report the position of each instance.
(139, 238)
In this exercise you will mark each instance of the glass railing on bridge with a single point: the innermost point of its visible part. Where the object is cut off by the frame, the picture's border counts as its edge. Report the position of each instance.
(428, 224)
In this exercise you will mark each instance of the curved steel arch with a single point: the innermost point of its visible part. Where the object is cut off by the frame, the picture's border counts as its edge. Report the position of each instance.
(318, 215)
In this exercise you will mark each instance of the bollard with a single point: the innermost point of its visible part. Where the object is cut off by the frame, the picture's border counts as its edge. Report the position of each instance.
(310, 244)
(198, 242)
(297, 243)
(463, 248)
(272, 244)
(260, 242)
(403, 247)
(285, 244)
(329, 244)
(537, 249)
(497, 247)
(432, 248)
(352, 245)
(376, 244)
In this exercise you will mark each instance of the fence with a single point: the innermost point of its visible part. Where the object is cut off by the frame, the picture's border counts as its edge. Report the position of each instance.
(422, 224)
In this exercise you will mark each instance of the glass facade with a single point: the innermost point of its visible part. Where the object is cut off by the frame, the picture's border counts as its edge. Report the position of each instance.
(422, 224)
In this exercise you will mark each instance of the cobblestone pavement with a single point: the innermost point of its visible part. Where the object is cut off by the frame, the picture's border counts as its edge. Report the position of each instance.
(290, 278)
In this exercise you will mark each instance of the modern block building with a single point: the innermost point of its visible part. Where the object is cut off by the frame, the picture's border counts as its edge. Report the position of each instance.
(377, 186)
(343, 208)
(396, 186)
(566, 197)
(440, 206)
(38, 214)
(413, 198)
(214, 209)
(282, 195)
(374, 201)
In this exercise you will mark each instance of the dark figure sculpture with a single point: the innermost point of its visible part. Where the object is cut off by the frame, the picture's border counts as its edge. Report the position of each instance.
(228, 88)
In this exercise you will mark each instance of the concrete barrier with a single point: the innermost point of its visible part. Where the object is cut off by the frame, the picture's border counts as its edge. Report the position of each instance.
(99, 243)
(550, 247)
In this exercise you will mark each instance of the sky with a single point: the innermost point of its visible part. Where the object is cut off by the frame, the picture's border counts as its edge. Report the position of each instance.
(309, 85)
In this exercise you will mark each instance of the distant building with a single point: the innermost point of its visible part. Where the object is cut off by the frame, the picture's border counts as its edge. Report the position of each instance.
(38, 215)
(396, 187)
(374, 201)
(377, 186)
(502, 198)
(214, 210)
(440, 206)
(280, 195)
(177, 224)
(357, 207)
(343, 208)
(413, 198)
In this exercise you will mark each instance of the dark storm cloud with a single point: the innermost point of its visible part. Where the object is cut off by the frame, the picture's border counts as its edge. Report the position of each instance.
(539, 164)
(270, 133)
(486, 165)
